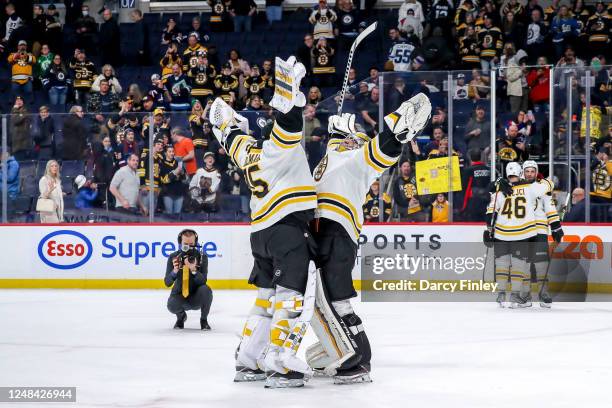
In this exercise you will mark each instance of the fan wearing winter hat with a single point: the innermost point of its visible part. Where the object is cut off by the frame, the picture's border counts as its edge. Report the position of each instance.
(87, 192)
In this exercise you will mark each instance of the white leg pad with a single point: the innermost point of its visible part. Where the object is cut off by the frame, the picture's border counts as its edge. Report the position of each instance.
(255, 340)
(256, 332)
(290, 321)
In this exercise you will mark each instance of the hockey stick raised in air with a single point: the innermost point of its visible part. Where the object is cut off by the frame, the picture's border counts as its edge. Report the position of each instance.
(357, 41)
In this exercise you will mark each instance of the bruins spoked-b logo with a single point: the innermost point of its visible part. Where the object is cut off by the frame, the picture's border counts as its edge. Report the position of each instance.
(323, 59)
(254, 88)
(201, 78)
(375, 212)
(219, 9)
(323, 20)
(320, 169)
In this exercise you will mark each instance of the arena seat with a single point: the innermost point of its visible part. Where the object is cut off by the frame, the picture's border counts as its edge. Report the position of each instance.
(151, 19)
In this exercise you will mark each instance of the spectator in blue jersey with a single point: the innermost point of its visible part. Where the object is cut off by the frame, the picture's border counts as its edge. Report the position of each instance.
(87, 192)
(12, 175)
(565, 29)
(348, 25)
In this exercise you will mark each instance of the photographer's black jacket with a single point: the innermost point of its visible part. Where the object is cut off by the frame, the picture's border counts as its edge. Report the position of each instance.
(195, 281)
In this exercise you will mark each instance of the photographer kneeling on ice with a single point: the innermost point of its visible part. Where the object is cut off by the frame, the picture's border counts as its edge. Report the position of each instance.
(186, 272)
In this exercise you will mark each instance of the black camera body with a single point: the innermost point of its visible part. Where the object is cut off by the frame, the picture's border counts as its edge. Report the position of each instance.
(190, 254)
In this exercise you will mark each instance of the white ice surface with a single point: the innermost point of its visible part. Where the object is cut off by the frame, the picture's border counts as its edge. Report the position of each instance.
(119, 349)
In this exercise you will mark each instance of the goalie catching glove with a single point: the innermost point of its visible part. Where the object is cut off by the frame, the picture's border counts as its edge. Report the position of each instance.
(410, 118)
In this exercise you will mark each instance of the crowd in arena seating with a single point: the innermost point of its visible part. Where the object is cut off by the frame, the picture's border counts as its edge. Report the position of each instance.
(101, 97)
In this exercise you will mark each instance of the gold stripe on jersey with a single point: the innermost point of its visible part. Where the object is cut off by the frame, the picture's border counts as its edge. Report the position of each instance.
(283, 139)
(515, 231)
(341, 206)
(375, 158)
(283, 203)
(235, 147)
(380, 156)
(283, 198)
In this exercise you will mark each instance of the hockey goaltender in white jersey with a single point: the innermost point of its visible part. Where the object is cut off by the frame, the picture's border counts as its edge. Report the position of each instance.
(283, 201)
(343, 177)
(277, 173)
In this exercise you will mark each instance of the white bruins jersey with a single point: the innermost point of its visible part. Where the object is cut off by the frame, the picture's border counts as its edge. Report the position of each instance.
(277, 174)
(516, 217)
(545, 214)
(343, 179)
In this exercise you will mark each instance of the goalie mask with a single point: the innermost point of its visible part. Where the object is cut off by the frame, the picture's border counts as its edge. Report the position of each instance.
(343, 133)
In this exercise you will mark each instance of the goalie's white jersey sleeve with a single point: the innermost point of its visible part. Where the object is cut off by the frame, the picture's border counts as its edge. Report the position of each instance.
(277, 173)
(516, 216)
(343, 179)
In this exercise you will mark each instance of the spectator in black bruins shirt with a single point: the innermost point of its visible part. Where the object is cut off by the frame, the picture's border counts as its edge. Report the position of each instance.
(83, 72)
(513, 147)
(144, 173)
(371, 207)
(227, 84)
(196, 125)
(172, 176)
(202, 77)
(405, 195)
(475, 182)
(323, 68)
(191, 53)
(255, 84)
(220, 20)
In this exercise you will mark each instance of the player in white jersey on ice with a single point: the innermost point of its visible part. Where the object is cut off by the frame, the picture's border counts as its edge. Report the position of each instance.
(351, 164)
(282, 205)
(547, 219)
(511, 229)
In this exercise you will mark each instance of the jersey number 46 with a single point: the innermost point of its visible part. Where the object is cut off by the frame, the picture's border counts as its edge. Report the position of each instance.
(514, 207)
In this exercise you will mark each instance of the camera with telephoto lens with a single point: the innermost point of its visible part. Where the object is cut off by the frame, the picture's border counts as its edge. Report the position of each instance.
(190, 253)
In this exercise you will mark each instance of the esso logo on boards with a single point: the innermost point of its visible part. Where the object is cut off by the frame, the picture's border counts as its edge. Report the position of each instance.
(65, 249)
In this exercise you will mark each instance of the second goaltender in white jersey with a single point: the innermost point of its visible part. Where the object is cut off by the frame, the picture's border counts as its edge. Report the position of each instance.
(516, 217)
(277, 174)
(343, 179)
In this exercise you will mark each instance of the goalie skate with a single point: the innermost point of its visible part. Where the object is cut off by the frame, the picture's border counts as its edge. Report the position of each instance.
(292, 379)
(287, 94)
(245, 374)
(357, 375)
